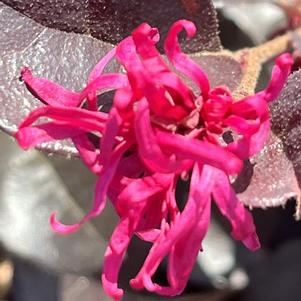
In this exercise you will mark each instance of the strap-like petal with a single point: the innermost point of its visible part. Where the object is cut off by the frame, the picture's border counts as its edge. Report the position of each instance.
(181, 61)
(105, 177)
(136, 198)
(181, 228)
(230, 206)
(280, 72)
(80, 118)
(32, 136)
(200, 151)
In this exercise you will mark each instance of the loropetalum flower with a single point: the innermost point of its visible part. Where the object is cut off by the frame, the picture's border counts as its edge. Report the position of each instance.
(157, 132)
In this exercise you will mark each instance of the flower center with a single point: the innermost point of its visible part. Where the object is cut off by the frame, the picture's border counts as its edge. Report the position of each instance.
(215, 110)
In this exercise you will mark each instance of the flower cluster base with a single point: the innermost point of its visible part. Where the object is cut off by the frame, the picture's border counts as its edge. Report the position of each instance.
(157, 132)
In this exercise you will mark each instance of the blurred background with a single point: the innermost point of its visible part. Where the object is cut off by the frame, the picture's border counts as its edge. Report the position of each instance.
(36, 264)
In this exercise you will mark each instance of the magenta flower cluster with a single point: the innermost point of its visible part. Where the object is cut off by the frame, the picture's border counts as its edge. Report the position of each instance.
(157, 132)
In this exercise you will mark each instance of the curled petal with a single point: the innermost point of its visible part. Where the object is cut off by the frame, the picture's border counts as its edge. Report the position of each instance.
(145, 38)
(181, 61)
(156, 133)
(95, 73)
(280, 72)
(113, 259)
(105, 177)
(230, 206)
(216, 107)
(154, 65)
(253, 108)
(183, 255)
(143, 84)
(98, 205)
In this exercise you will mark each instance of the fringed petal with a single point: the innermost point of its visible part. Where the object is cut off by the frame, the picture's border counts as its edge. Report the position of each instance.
(48, 91)
(80, 118)
(100, 66)
(89, 154)
(199, 196)
(55, 95)
(181, 61)
(200, 151)
(155, 66)
(242, 126)
(230, 206)
(32, 136)
(133, 201)
(109, 136)
(105, 177)
(156, 133)
(183, 255)
(96, 72)
(247, 147)
(114, 257)
(105, 81)
(280, 72)
(252, 109)
(145, 38)
(129, 59)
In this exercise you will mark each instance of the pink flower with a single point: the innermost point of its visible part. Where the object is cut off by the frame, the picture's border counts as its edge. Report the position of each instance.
(157, 132)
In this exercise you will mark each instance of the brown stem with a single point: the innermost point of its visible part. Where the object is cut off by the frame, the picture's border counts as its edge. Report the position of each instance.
(253, 58)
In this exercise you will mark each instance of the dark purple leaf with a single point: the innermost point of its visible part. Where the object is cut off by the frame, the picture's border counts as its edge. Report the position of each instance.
(238, 2)
(269, 180)
(111, 21)
(221, 70)
(30, 190)
(286, 124)
(63, 57)
(276, 176)
(67, 58)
